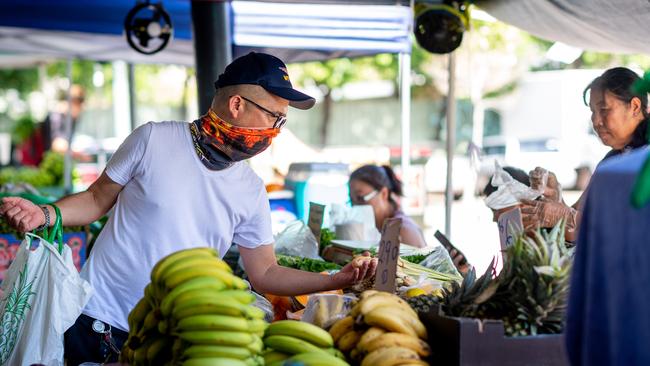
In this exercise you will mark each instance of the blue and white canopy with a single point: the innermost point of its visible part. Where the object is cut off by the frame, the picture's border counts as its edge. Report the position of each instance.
(92, 29)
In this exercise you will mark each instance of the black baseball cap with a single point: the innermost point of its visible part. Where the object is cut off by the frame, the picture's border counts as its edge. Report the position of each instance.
(267, 71)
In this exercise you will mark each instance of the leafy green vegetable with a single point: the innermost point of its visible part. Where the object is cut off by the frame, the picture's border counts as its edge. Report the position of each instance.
(49, 172)
(372, 251)
(416, 258)
(326, 237)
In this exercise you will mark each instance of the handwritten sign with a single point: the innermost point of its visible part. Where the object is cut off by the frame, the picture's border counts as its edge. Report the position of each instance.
(315, 221)
(388, 255)
(510, 226)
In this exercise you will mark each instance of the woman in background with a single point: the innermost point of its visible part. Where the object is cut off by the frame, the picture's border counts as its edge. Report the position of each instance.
(620, 117)
(379, 187)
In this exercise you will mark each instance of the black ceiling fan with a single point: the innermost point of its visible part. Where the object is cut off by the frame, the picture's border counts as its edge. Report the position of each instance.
(440, 24)
(148, 28)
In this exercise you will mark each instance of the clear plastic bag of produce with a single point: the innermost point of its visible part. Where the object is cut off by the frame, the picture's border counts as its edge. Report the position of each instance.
(428, 285)
(297, 240)
(439, 260)
(324, 310)
(262, 303)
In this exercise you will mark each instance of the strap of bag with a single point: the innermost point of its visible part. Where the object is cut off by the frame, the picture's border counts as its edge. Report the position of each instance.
(56, 235)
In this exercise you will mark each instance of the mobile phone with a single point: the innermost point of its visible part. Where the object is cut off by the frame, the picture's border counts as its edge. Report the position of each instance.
(449, 246)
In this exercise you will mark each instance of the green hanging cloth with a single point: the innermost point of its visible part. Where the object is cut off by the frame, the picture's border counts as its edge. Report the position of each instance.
(641, 191)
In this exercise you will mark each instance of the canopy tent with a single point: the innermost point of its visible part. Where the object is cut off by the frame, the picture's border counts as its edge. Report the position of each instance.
(295, 32)
(600, 25)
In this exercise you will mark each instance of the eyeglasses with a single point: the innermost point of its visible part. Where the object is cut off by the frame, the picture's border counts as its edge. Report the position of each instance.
(280, 119)
(360, 200)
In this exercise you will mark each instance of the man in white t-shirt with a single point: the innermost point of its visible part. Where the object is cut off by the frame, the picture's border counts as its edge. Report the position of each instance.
(177, 185)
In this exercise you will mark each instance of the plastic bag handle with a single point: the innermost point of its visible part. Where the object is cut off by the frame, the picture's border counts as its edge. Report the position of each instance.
(57, 230)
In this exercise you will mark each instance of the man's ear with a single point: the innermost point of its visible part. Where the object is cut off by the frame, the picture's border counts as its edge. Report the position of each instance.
(235, 106)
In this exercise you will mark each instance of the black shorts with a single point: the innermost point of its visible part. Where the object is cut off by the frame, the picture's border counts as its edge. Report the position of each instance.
(83, 344)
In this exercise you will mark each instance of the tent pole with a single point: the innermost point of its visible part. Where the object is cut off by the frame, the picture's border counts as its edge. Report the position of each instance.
(451, 141)
(212, 46)
(132, 98)
(405, 108)
(67, 162)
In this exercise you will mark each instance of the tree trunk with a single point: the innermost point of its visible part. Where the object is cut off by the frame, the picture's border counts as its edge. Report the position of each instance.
(437, 131)
(325, 123)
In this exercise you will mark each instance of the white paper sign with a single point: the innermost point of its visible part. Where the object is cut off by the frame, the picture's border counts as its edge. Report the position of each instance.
(510, 225)
(388, 255)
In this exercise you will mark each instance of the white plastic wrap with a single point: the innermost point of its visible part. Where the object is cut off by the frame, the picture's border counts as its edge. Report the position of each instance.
(509, 191)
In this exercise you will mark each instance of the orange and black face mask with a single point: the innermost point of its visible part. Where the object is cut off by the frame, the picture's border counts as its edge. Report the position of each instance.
(237, 143)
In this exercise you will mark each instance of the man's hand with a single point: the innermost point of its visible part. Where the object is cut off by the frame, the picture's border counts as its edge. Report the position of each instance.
(536, 214)
(358, 270)
(22, 214)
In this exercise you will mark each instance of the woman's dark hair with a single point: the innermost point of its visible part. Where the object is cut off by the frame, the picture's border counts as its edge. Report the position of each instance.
(618, 81)
(378, 177)
(516, 173)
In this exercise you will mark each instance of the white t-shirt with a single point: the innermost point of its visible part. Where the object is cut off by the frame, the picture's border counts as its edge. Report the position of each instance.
(170, 201)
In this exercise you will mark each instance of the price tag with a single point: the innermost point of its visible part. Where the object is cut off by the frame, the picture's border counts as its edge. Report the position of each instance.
(388, 255)
(510, 226)
(315, 221)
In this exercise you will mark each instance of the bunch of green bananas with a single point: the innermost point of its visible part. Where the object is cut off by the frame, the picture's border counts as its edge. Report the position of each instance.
(291, 342)
(382, 330)
(195, 312)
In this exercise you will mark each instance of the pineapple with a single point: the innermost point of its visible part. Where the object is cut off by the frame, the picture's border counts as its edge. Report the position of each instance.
(530, 293)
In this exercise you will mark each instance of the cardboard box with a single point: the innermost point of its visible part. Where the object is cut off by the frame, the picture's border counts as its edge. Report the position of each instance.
(467, 341)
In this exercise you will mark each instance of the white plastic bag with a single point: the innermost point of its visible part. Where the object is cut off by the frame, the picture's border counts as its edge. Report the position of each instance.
(345, 220)
(509, 191)
(297, 240)
(44, 295)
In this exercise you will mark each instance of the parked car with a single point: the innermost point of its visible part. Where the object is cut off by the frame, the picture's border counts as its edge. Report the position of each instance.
(435, 173)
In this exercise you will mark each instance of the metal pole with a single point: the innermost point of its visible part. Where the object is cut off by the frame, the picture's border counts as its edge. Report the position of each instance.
(212, 46)
(451, 141)
(405, 106)
(67, 163)
(132, 98)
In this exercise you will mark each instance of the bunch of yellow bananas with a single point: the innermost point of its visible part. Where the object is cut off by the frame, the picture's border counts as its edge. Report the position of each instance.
(382, 330)
(291, 342)
(195, 312)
